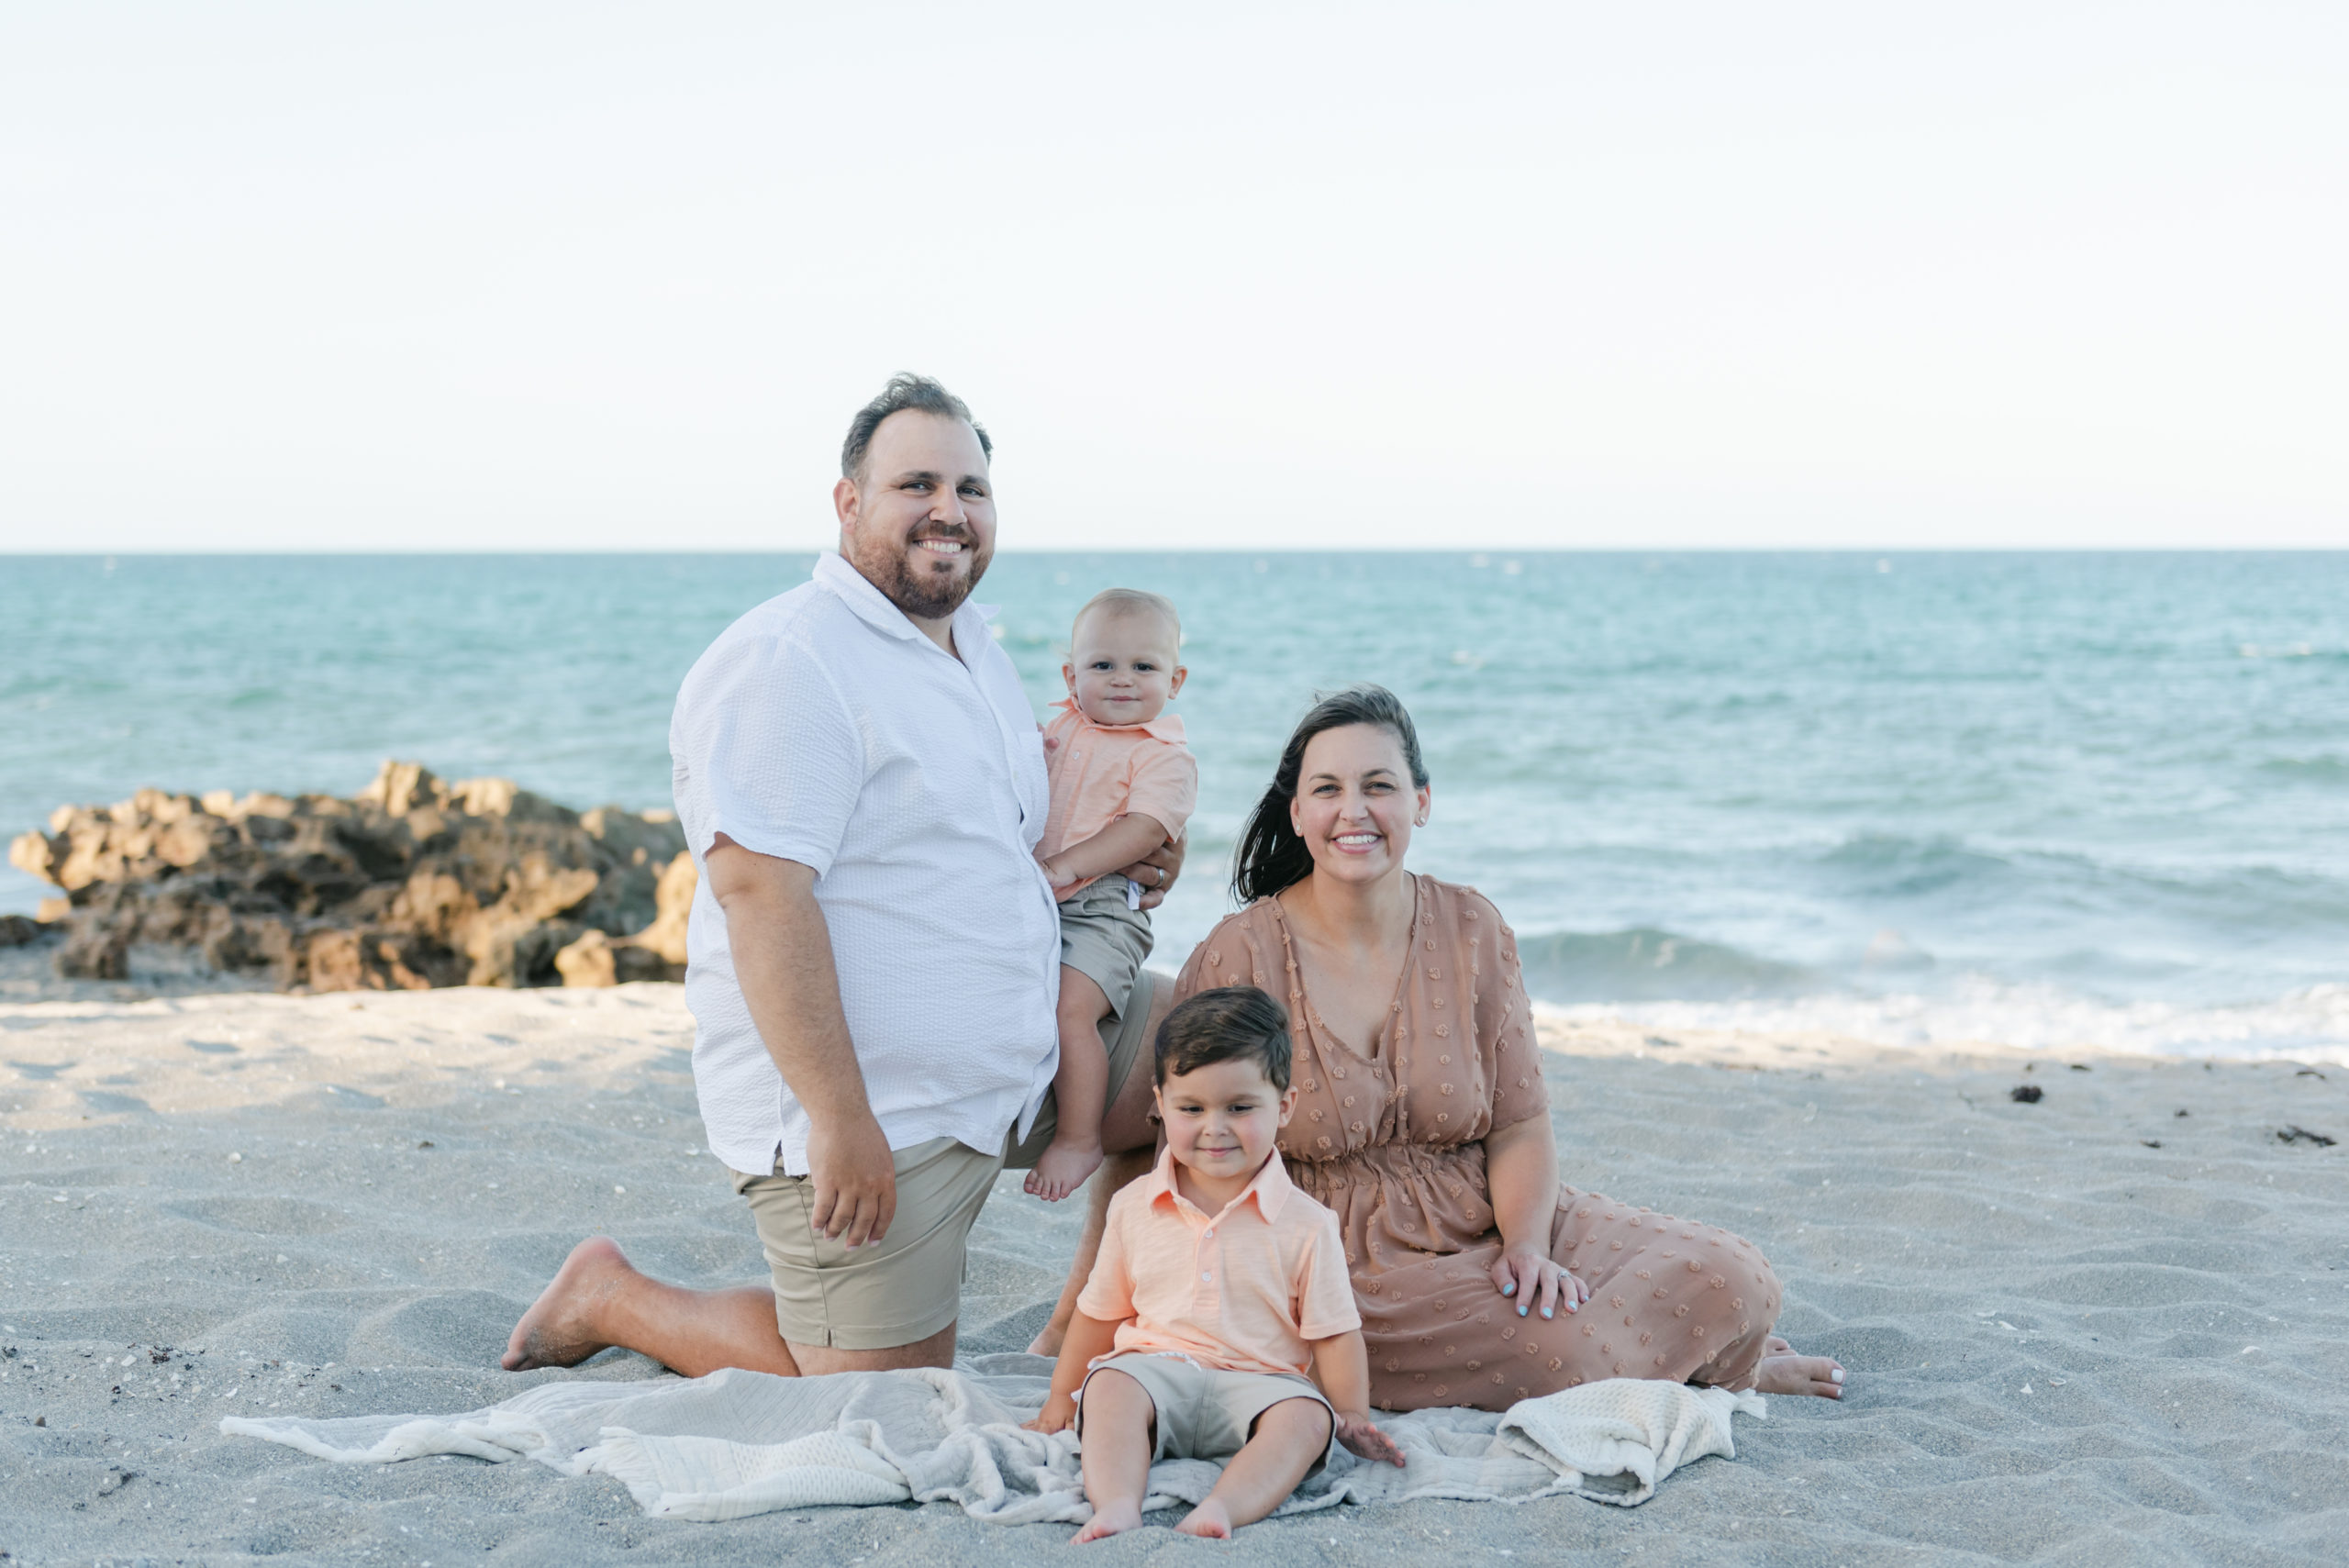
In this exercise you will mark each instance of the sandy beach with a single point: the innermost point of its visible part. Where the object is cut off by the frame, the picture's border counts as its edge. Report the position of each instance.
(2108, 1327)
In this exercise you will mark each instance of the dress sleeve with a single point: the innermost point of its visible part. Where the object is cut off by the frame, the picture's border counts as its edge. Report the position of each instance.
(1224, 959)
(1325, 1290)
(1504, 1020)
(1165, 784)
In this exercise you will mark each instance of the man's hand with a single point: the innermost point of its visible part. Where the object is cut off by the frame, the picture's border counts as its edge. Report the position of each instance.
(856, 1182)
(1156, 872)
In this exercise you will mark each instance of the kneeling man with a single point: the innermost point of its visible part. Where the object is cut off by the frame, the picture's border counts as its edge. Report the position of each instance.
(873, 951)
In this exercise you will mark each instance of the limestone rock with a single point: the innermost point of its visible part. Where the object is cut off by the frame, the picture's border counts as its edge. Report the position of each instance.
(412, 883)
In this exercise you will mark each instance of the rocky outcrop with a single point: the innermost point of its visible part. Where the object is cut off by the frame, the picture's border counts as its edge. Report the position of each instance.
(413, 883)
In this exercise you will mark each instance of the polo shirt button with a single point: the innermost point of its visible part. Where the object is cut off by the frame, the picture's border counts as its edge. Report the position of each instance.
(1207, 1275)
(1206, 1235)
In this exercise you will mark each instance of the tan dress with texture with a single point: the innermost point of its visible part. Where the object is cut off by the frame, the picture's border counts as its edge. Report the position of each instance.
(1391, 1138)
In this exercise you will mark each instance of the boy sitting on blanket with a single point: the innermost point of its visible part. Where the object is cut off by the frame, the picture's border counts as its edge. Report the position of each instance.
(1220, 1287)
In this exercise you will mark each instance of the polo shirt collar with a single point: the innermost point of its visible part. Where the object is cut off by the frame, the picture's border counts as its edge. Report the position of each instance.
(1270, 1187)
(1165, 727)
(873, 606)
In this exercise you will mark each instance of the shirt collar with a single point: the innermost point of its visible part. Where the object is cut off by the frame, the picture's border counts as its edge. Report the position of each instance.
(1165, 727)
(873, 606)
(1270, 1186)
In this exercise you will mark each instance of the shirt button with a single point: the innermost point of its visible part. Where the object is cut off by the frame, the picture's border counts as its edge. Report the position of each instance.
(1208, 1235)
(1209, 1275)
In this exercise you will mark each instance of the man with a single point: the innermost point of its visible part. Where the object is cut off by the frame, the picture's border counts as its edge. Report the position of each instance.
(874, 952)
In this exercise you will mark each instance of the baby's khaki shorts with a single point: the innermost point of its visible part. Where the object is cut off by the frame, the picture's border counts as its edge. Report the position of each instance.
(1103, 940)
(907, 1285)
(1205, 1413)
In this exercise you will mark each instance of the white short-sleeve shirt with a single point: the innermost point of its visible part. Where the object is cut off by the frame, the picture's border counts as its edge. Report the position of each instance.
(824, 727)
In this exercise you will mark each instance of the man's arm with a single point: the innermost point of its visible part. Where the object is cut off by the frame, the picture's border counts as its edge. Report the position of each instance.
(782, 960)
(1122, 842)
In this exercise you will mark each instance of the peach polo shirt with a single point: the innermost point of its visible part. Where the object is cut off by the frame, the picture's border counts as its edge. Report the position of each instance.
(1245, 1290)
(1102, 771)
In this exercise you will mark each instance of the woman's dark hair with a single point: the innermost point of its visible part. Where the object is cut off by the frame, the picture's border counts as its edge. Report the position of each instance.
(1232, 1023)
(1271, 856)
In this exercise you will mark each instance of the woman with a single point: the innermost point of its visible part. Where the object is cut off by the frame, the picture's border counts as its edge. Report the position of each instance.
(1423, 1121)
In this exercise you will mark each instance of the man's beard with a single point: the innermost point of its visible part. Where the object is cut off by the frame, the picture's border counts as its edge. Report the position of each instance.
(929, 595)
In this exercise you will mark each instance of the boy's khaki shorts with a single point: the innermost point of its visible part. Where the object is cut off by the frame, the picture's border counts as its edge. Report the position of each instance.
(1203, 1412)
(910, 1284)
(1106, 942)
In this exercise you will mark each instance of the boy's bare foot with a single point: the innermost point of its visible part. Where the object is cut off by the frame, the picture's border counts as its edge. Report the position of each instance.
(1062, 1169)
(1786, 1372)
(1209, 1521)
(554, 1331)
(1115, 1519)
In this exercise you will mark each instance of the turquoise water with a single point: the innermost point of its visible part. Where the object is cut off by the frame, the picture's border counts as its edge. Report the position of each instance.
(2041, 797)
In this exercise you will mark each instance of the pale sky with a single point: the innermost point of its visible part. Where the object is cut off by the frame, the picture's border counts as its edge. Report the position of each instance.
(424, 276)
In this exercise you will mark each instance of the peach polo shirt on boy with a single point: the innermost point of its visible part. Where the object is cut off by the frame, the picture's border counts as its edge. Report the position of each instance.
(1103, 771)
(1245, 1290)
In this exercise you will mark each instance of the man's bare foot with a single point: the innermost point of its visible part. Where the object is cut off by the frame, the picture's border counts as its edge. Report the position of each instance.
(1786, 1372)
(1115, 1519)
(1209, 1521)
(1062, 1169)
(557, 1329)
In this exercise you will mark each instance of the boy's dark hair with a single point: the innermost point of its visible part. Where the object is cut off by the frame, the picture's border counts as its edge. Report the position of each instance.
(906, 390)
(1230, 1023)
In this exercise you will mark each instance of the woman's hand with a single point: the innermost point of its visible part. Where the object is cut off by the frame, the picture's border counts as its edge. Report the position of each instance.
(1356, 1431)
(1536, 1284)
(1156, 872)
(1058, 1414)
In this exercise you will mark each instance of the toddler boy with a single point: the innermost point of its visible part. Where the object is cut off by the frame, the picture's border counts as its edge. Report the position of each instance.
(1220, 1287)
(1122, 783)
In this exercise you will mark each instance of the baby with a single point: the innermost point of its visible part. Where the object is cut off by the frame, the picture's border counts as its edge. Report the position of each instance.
(1123, 784)
(1218, 1287)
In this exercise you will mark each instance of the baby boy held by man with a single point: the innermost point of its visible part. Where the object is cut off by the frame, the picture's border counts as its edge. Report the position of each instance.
(1219, 1321)
(1123, 783)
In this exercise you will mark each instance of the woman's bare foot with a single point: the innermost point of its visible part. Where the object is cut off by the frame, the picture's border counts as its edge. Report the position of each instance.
(558, 1330)
(1783, 1372)
(1115, 1519)
(1209, 1521)
(1047, 1343)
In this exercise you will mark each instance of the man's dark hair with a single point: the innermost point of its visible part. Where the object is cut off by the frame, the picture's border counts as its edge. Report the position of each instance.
(1270, 856)
(906, 390)
(1232, 1023)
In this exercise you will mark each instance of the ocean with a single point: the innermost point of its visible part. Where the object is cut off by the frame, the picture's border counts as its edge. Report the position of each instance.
(2061, 800)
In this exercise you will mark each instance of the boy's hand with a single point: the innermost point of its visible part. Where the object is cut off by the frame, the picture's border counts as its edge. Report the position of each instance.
(1057, 1416)
(1354, 1430)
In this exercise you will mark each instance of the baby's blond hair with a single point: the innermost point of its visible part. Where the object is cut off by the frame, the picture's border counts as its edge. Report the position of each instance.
(1128, 601)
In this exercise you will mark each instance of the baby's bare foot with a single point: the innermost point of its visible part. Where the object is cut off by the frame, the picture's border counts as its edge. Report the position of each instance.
(1062, 1169)
(1115, 1519)
(556, 1330)
(1208, 1520)
(1788, 1373)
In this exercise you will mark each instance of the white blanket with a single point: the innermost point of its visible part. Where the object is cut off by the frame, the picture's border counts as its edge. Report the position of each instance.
(737, 1443)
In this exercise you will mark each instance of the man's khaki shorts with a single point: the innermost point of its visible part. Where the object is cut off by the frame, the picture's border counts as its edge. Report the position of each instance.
(1203, 1412)
(909, 1286)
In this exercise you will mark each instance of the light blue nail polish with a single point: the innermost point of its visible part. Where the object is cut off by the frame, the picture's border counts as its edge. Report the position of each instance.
(1509, 1289)
(1521, 1311)
(1545, 1312)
